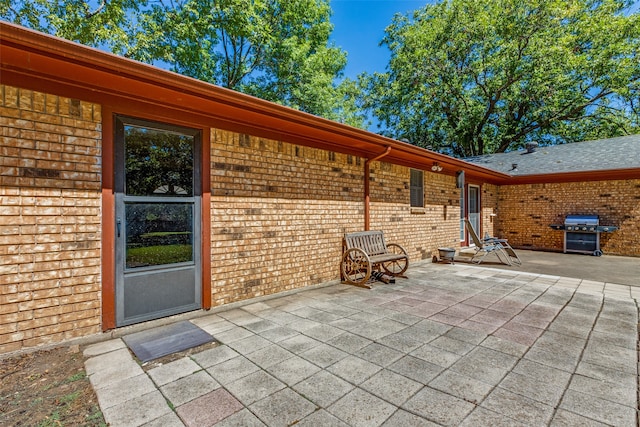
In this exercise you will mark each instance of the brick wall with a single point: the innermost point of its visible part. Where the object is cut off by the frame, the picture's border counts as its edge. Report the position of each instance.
(525, 212)
(49, 218)
(279, 212)
(420, 231)
(489, 208)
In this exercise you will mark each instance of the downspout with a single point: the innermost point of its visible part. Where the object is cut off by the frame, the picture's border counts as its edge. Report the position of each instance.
(367, 168)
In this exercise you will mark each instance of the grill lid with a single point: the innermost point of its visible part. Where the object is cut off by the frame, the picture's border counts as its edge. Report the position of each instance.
(582, 220)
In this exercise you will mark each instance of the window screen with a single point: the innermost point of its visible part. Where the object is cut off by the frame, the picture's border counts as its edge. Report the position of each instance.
(416, 186)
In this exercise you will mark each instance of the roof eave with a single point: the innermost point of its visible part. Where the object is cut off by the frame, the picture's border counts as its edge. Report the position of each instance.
(576, 176)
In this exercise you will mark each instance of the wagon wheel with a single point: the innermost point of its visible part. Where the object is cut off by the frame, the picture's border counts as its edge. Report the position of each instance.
(398, 266)
(356, 267)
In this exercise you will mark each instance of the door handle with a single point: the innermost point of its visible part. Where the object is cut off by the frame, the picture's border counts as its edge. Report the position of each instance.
(118, 224)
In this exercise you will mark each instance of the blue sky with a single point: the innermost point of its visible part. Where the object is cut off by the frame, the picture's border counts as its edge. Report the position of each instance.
(359, 27)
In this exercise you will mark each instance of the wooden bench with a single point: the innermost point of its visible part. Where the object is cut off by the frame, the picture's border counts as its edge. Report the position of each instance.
(364, 251)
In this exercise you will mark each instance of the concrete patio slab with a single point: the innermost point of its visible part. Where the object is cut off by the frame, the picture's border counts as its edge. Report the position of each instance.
(242, 418)
(284, 407)
(112, 367)
(323, 355)
(518, 407)
(462, 386)
(404, 418)
(416, 369)
(188, 388)
(214, 356)
(597, 270)
(380, 354)
(439, 407)
(605, 411)
(122, 391)
(269, 356)
(323, 388)
(321, 418)
(452, 345)
(360, 408)
(209, 409)
(233, 369)
(293, 370)
(254, 387)
(103, 347)
(137, 411)
(169, 420)
(393, 388)
(173, 371)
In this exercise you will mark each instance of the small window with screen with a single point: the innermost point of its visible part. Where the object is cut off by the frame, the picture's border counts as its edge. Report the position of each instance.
(416, 186)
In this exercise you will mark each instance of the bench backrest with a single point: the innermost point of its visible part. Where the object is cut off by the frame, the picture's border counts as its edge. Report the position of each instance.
(372, 242)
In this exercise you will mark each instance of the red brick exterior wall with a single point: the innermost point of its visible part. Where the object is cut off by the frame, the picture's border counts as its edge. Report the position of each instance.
(526, 211)
(50, 163)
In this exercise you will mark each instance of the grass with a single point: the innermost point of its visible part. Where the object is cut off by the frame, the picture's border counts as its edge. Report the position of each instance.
(158, 255)
(68, 398)
(36, 401)
(173, 408)
(64, 402)
(51, 421)
(75, 377)
(96, 418)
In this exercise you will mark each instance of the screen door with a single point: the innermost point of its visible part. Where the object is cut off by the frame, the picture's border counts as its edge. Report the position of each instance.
(157, 193)
(473, 209)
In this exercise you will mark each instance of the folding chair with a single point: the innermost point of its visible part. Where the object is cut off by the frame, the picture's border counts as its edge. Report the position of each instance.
(513, 256)
(485, 248)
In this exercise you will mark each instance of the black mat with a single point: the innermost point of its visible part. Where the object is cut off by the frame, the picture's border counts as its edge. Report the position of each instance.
(157, 342)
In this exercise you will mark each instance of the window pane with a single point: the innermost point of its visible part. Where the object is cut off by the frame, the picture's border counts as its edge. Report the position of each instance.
(158, 233)
(158, 163)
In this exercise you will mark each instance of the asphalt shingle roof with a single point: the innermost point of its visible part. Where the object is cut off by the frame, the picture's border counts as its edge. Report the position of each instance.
(597, 155)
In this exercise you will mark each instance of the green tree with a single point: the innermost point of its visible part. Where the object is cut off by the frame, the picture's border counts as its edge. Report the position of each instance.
(274, 49)
(277, 50)
(104, 23)
(470, 77)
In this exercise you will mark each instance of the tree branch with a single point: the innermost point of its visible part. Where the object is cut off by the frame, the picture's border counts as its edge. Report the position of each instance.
(565, 113)
(88, 14)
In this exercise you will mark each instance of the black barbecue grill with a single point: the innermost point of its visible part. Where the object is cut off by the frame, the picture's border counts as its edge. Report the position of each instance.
(582, 233)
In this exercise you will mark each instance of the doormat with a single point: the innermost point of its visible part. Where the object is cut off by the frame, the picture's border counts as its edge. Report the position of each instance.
(161, 341)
